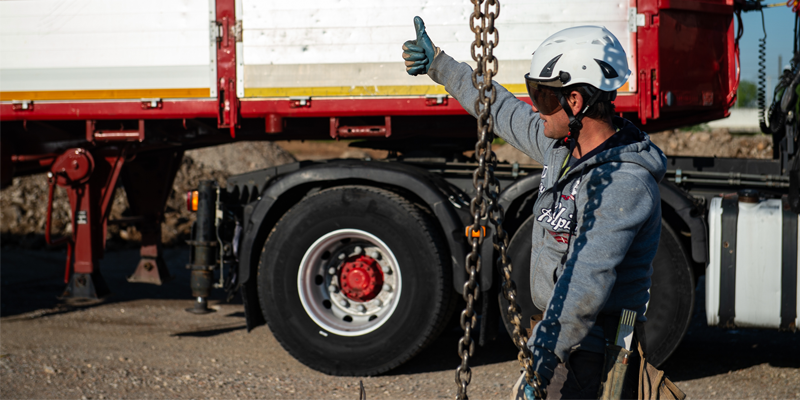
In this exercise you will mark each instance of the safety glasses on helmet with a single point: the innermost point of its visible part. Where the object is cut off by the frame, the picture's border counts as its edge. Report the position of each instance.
(544, 98)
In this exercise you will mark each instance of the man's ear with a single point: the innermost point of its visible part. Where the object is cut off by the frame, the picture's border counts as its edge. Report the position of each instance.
(575, 101)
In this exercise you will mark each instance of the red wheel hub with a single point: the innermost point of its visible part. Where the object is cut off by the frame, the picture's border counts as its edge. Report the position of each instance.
(361, 278)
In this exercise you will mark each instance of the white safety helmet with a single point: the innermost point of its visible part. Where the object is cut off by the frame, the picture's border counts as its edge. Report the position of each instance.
(582, 54)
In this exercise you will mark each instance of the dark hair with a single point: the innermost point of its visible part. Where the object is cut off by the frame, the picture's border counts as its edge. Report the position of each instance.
(603, 108)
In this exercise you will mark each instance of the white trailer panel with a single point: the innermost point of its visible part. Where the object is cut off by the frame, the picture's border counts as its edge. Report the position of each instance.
(353, 48)
(62, 49)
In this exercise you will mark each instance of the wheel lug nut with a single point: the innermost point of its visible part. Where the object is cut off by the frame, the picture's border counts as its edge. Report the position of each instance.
(344, 303)
(342, 256)
(387, 288)
(378, 303)
(386, 269)
(358, 250)
(332, 271)
(361, 308)
(333, 289)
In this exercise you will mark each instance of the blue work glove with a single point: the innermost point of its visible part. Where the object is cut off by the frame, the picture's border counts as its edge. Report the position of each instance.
(419, 54)
(529, 395)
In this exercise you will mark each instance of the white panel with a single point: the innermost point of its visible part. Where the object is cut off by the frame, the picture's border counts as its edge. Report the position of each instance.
(213, 31)
(239, 69)
(103, 33)
(239, 56)
(44, 79)
(758, 264)
(362, 74)
(363, 31)
(713, 270)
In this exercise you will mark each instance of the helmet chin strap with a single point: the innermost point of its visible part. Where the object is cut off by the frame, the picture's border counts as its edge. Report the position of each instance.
(575, 124)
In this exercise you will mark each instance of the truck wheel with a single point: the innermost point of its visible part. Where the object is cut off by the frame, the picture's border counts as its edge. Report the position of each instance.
(355, 281)
(671, 298)
(519, 250)
(671, 294)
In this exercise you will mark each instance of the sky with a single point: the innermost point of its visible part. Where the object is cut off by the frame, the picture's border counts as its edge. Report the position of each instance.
(780, 33)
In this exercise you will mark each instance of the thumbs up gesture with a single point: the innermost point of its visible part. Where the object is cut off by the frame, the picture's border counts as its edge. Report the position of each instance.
(419, 54)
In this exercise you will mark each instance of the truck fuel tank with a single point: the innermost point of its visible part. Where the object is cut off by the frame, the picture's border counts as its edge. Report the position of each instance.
(752, 278)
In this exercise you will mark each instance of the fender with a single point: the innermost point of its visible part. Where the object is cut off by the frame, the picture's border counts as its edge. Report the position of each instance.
(683, 205)
(520, 188)
(435, 192)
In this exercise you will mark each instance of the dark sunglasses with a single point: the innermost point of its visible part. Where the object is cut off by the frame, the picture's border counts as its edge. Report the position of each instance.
(544, 98)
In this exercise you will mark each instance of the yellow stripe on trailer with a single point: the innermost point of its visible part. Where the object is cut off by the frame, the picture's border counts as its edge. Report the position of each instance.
(344, 91)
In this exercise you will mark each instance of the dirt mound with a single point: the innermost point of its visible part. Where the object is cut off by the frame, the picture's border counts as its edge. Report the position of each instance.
(23, 205)
(708, 143)
(23, 212)
(713, 143)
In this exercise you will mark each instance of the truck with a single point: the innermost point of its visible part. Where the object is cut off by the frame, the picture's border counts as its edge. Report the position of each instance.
(357, 265)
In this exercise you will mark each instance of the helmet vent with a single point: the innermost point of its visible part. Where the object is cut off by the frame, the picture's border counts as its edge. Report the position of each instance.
(547, 71)
(608, 70)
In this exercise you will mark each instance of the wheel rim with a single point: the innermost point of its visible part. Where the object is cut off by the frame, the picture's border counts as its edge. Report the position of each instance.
(349, 282)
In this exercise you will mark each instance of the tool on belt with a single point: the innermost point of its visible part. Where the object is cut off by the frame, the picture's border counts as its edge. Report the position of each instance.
(651, 383)
(618, 354)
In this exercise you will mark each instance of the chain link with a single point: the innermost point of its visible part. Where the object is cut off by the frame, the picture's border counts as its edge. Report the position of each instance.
(482, 23)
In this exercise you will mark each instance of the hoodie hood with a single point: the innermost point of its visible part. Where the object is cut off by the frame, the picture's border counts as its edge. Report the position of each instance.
(641, 152)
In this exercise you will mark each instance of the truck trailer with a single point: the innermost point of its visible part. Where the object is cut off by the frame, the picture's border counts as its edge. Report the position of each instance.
(357, 265)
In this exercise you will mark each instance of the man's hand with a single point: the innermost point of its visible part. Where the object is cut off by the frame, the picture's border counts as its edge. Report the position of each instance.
(522, 391)
(419, 54)
(530, 394)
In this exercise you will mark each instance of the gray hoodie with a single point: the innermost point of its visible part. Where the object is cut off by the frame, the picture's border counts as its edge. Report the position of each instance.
(606, 263)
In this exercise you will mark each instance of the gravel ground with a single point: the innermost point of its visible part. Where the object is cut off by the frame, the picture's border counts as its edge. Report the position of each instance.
(140, 343)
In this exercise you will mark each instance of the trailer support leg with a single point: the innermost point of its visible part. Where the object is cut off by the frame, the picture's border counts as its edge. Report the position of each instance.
(151, 268)
(90, 180)
(86, 286)
(148, 183)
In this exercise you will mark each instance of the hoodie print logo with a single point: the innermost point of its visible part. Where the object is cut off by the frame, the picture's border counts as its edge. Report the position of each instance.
(575, 188)
(556, 217)
(560, 237)
(541, 180)
(573, 192)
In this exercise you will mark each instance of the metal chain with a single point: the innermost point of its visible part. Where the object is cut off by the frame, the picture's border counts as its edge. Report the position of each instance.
(486, 184)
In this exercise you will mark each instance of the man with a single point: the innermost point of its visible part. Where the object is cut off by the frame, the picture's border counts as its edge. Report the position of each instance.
(598, 213)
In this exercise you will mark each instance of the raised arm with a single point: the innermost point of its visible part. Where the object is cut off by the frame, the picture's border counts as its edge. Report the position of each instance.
(514, 120)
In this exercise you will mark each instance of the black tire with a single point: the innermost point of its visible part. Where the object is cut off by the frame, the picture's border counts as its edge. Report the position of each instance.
(348, 220)
(671, 291)
(519, 250)
(671, 298)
